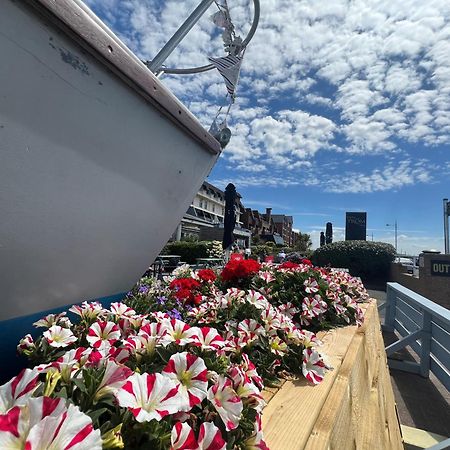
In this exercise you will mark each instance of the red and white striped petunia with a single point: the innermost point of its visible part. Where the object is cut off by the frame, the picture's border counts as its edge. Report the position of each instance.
(18, 390)
(226, 402)
(59, 337)
(183, 437)
(313, 307)
(256, 440)
(256, 299)
(311, 286)
(150, 396)
(180, 333)
(102, 335)
(26, 345)
(249, 330)
(210, 437)
(190, 373)
(210, 339)
(277, 346)
(53, 319)
(88, 311)
(120, 310)
(70, 430)
(250, 371)
(114, 377)
(313, 366)
(246, 389)
(17, 422)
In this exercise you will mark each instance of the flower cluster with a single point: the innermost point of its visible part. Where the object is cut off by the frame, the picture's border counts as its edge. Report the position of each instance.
(180, 364)
(237, 271)
(130, 380)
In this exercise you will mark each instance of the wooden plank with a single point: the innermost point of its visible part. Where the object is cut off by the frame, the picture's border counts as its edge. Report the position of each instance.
(353, 407)
(420, 438)
(441, 353)
(404, 332)
(414, 314)
(441, 374)
(295, 408)
(440, 334)
(407, 322)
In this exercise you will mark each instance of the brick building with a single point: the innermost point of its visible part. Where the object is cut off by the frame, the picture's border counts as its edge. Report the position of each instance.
(283, 226)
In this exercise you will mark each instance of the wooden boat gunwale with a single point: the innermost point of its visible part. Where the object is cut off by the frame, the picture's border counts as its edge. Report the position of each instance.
(80, 23)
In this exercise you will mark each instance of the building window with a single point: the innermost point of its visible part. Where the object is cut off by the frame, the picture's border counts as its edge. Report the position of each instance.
(201, 203)
(213, 208)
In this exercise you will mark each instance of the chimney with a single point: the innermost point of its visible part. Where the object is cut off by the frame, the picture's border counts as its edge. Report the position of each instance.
(268, 214)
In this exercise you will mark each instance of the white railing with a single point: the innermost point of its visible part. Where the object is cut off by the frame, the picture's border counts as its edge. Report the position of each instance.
(425, 327)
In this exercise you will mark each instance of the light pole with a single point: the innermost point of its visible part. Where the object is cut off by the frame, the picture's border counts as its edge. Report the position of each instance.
(446, 233)
(395, 228)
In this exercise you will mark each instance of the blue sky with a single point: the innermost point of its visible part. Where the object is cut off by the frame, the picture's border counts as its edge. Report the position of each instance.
(342, 106)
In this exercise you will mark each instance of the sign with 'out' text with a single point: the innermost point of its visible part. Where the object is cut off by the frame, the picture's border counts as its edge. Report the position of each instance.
(440, 268)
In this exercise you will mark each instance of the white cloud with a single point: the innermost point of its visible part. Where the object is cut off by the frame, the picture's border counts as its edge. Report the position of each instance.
(366, 77)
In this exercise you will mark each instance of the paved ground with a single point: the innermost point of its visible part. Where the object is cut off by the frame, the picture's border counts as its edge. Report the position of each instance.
(422, 403)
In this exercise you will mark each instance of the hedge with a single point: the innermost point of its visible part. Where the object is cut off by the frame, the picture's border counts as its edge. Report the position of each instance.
(189, 251)
(365, 259)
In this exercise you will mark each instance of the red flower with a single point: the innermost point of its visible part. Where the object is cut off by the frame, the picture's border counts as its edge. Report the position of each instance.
(207, 275)
(288, 265)
(185, 289)
(307, 262)
(236, 269)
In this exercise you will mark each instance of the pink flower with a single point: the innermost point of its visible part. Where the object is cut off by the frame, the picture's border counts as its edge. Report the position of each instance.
(210, 437)
(150, 396)
(18, 390)
(180, 333)
(113, 379)
(183, 437)
(226, 402)
(190, 373)
(102, 335)
(210, 339)
(59, 337)
(313, 367)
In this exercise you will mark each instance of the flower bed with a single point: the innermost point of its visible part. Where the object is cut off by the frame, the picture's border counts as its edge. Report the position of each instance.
(180, 364)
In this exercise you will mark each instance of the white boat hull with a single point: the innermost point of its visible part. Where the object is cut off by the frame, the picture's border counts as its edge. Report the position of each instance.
(94, 178)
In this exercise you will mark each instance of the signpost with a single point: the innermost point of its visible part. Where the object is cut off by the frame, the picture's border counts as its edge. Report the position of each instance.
(355, 226)
(440, 268)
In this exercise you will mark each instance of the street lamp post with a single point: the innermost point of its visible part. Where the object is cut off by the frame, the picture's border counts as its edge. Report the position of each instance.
(446, 233)
(395, 228)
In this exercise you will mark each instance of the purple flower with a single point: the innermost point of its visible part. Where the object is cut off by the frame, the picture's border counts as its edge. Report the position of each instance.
(175, 314)
(143, 289)
(161, 300)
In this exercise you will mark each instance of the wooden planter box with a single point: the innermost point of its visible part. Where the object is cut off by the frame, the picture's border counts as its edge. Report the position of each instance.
(353, 407)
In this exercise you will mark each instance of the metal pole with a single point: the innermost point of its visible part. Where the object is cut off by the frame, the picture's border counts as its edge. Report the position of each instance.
(396, 235)
(164, 53)
(446, 232)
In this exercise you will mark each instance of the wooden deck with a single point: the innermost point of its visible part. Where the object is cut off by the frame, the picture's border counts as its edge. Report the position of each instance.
(353, 407)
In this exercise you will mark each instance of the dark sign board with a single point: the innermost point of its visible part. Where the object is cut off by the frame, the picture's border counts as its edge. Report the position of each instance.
(355, 226)
(440, 268)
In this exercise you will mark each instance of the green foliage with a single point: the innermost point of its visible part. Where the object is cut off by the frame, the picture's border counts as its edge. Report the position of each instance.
(368, 260)
(189, 251)
(303, 243)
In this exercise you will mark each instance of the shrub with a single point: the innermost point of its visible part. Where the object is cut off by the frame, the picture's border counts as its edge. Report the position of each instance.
(365, 259)
(189, 251)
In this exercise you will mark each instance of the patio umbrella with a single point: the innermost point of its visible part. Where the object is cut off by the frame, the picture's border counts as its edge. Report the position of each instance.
(230, 216)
